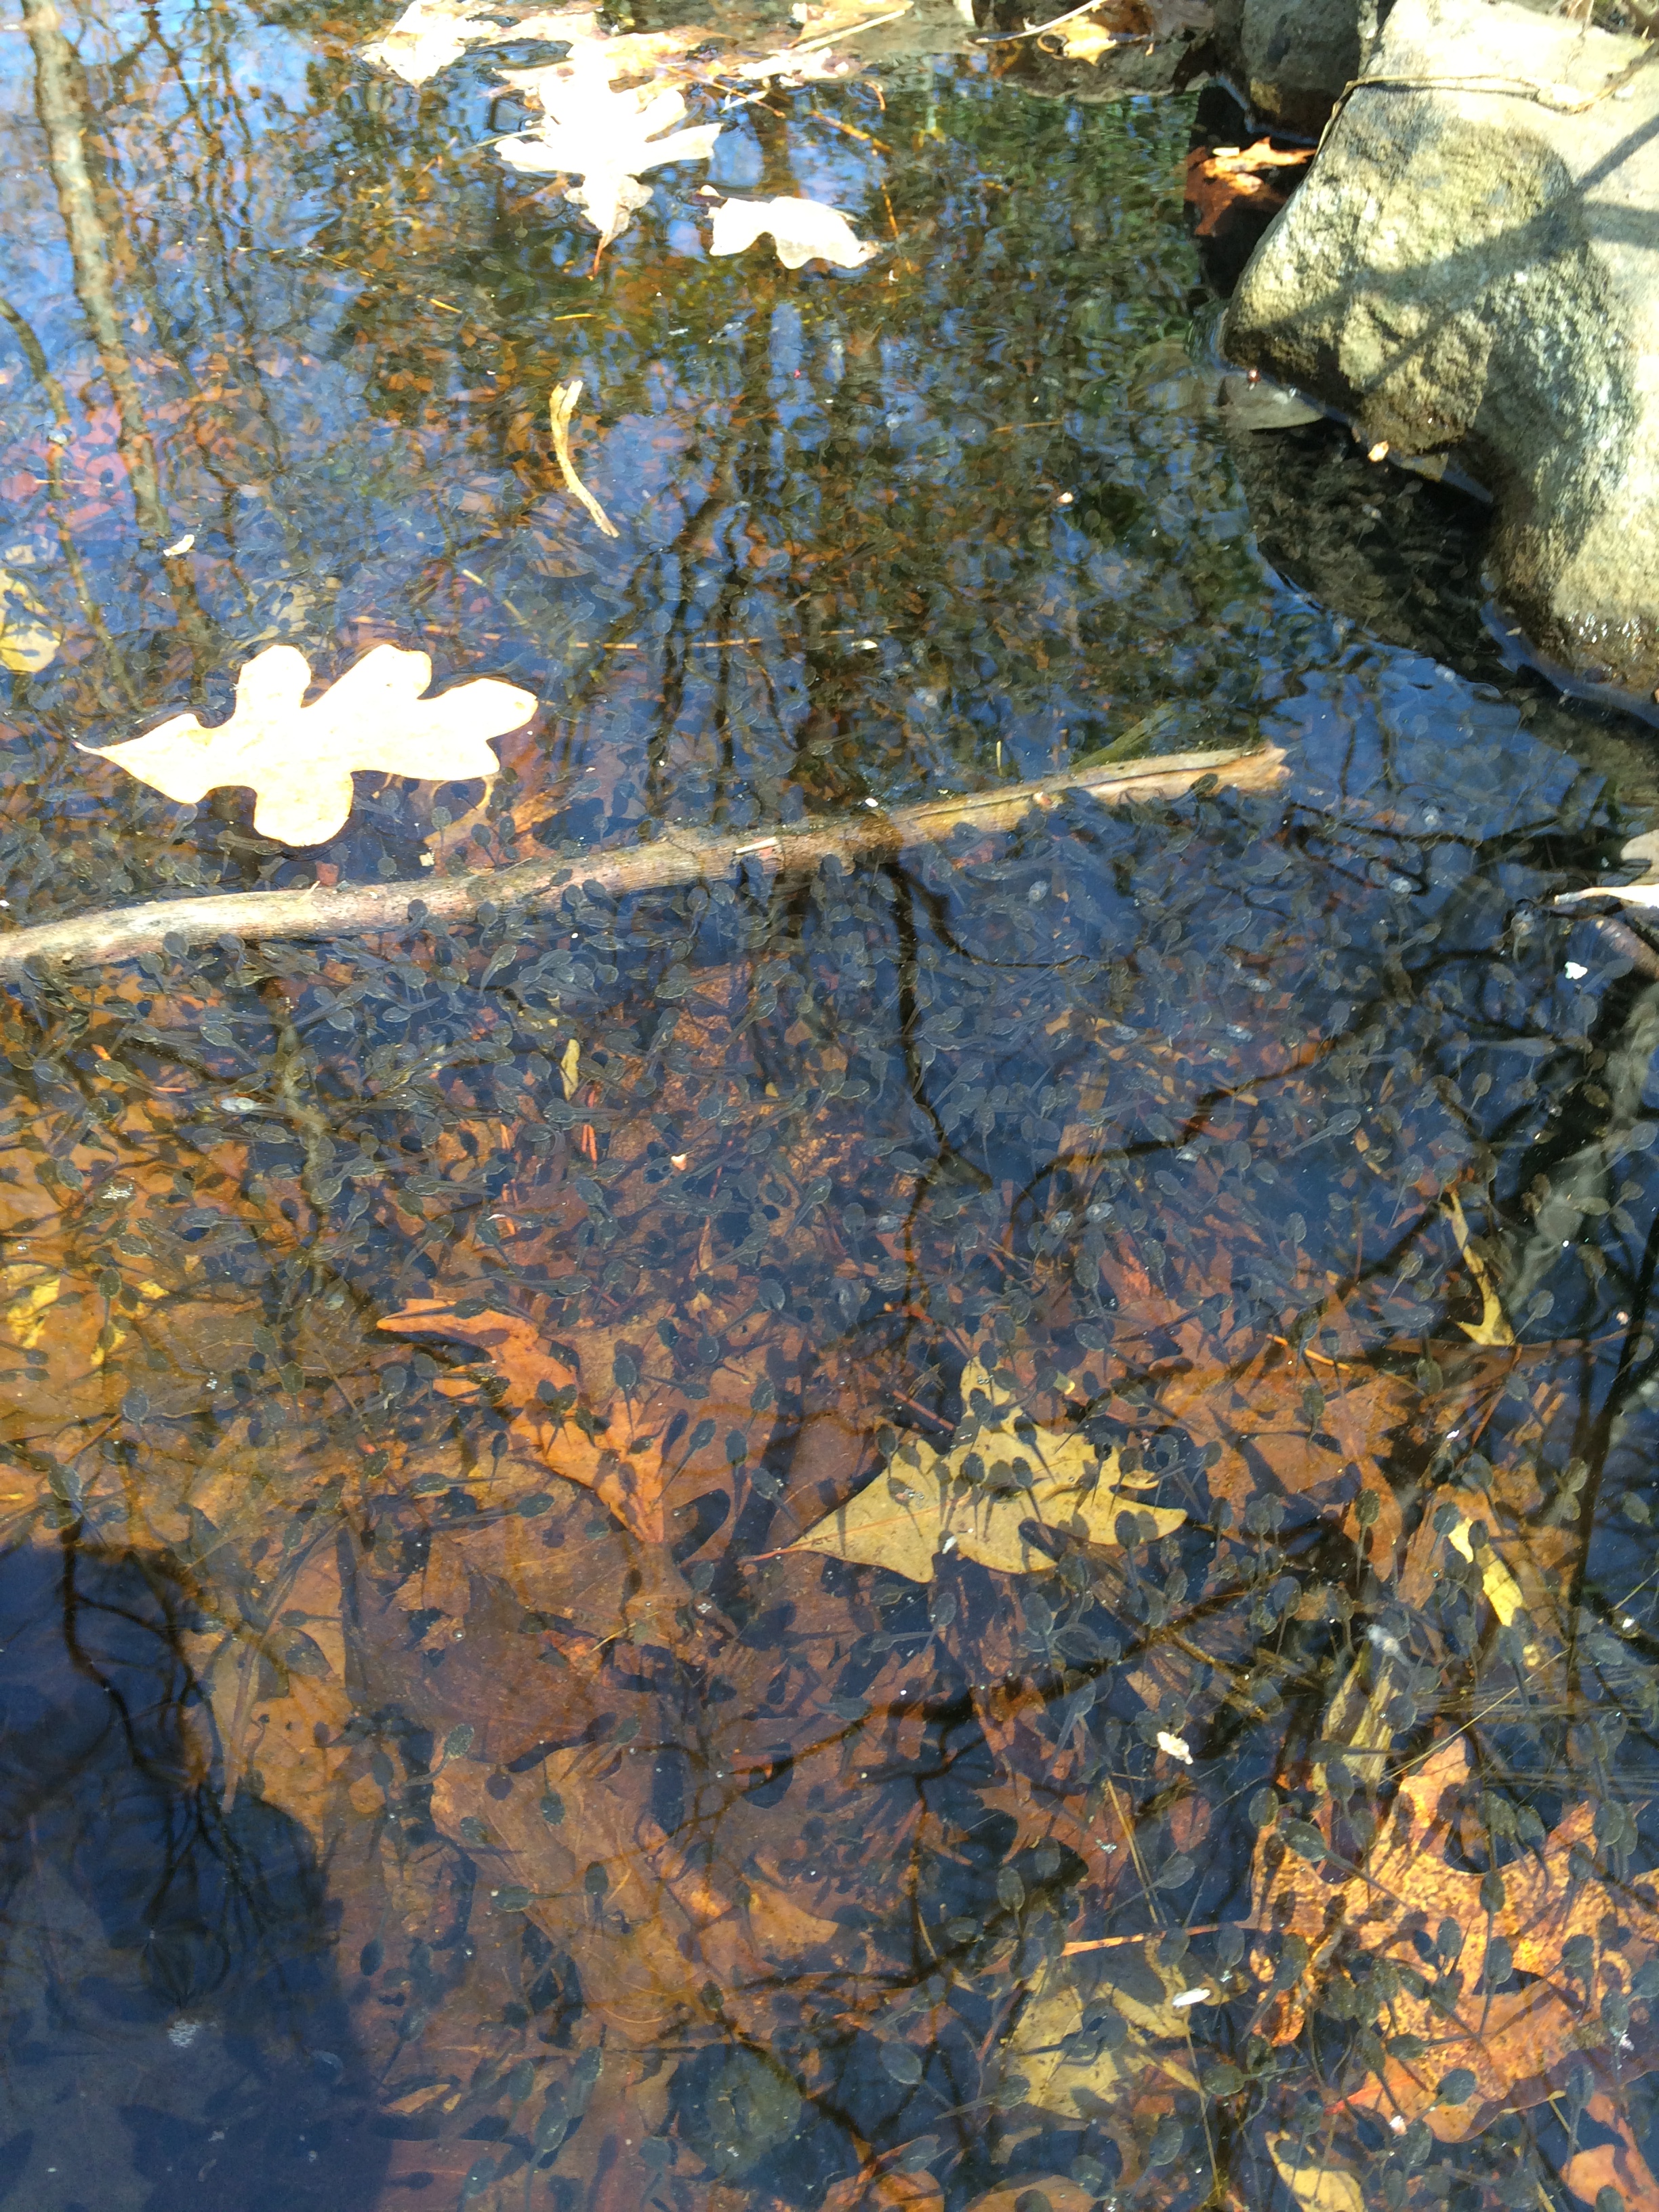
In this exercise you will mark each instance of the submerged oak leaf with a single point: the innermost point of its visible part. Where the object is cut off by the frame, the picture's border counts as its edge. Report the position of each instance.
(1510, 2033)
(1316, 2185)
(999, 1475)
(600, 1410)
(28, 642)
(802, 230)
(1068, 2071)
(298, 759)
(612, 1452)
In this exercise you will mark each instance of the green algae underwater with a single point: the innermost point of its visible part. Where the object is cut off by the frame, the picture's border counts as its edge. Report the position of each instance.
(1183, 1265)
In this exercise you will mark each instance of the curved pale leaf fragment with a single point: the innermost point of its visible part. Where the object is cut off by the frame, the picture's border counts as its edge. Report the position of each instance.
(928, 1502)
(299, 759)
(802, 231)
(1316, 2188)
(561, 408)
(28, 642)
(1494, 1327)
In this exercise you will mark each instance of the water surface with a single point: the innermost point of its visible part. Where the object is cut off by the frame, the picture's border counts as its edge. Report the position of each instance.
(427, 1778)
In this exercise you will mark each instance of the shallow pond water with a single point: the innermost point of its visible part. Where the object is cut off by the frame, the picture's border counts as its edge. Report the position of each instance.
(1211, 1235)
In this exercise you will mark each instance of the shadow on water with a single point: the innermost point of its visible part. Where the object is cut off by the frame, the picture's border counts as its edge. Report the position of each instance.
(176, 2034)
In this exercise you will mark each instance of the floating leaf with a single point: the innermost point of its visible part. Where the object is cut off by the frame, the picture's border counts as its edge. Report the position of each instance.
(928, 1502)
(299, 759)
(802, 231)
(608, 137)
(1083, 41)
(430, 34)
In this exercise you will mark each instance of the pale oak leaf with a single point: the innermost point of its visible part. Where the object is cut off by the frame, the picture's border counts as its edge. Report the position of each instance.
(1316, 2187)
(299, 759)
(609, 137)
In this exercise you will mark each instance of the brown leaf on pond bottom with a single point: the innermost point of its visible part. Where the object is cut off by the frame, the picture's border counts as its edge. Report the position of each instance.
(1619, 2165)
(573, 1415)
(1510, 2040)
(574, 1847)
(1299, 1424)
(280, 1702)
(883, 2191)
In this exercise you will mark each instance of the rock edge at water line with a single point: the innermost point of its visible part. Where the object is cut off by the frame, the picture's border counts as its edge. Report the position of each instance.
(1470, 267)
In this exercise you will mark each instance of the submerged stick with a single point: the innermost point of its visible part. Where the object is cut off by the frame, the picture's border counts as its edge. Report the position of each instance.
(360, 909)
(560, 408)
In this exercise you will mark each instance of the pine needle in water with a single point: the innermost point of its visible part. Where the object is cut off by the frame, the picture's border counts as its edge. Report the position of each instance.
(561, 408)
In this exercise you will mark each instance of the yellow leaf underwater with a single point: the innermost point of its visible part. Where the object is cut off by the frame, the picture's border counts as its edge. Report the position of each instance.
(1056, 2060)
(299, 759)
(979, 1497)
(25, 1292)
(1316, 2188)
(28, 643)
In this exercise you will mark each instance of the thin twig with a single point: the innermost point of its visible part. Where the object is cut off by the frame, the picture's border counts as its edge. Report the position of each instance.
(1146, 1936)
(360, 909)
(850, 31)
(818, 115)
(1036, 30)
(1559, 100)
(560, 407)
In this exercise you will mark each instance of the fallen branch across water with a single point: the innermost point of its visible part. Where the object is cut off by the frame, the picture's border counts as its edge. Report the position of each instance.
(671, 858)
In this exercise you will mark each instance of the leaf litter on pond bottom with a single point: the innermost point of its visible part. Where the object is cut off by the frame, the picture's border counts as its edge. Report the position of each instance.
(780, 1795)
